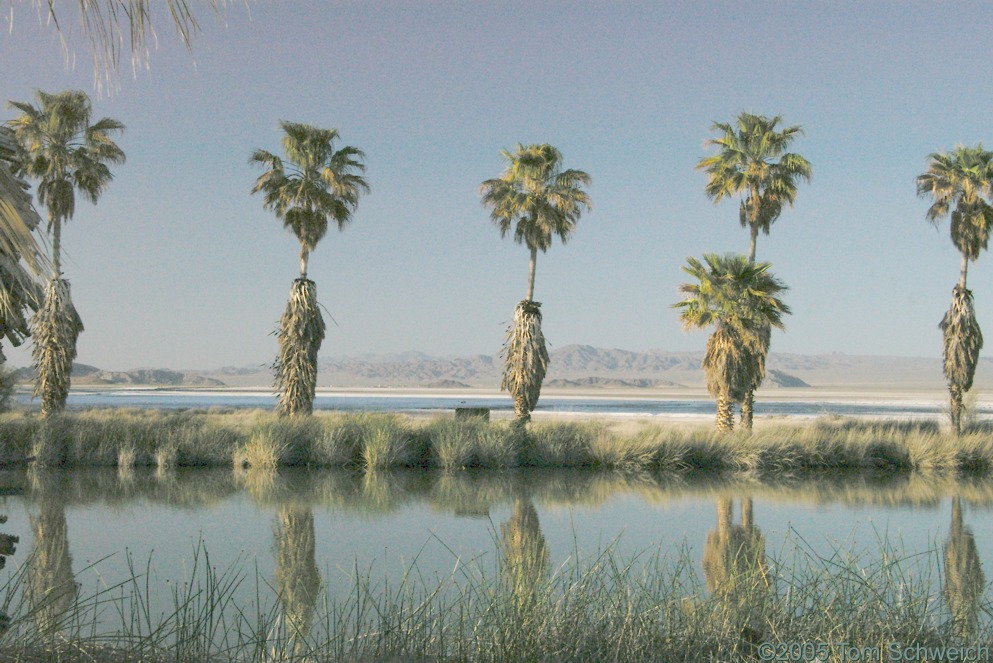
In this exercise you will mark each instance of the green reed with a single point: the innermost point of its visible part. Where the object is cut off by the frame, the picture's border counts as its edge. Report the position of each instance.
(650, 606)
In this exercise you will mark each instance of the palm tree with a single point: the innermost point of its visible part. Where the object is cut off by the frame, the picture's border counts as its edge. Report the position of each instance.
(740, 299)
(752, 162)
(61, 149)
(538, 200)
(957, 183)
(316, 184)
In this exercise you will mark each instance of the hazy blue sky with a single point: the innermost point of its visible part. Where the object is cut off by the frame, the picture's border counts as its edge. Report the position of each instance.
(178, 266)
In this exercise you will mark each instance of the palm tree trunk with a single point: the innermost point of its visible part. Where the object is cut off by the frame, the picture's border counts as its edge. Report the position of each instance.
(747, 408)
(56, 248)
(753, 241)
(304, 258)
(725, 414)
(521, 411)
(963, 272)
(531, 267)
(955, 393)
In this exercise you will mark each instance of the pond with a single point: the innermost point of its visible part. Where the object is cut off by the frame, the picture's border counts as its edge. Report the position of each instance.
(318, 538)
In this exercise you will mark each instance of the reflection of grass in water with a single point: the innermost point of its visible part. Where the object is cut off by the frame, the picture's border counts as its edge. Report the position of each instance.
(603, 606)
(475, 492)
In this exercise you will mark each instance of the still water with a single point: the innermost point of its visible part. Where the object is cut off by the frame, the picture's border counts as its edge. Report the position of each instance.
(433, 403)
(321, 531)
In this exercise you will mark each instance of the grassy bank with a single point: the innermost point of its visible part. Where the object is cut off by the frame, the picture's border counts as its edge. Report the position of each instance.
(653, 607)
(129, 438)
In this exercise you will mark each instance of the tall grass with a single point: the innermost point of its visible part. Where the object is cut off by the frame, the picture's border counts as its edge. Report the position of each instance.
(649, 607)
(375, 442)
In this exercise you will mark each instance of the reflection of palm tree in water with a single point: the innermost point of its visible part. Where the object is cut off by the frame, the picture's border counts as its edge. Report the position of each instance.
(525, 555)
(964, 579)
(297, 578)
(51, 588)
(734, 565)
(735, 554)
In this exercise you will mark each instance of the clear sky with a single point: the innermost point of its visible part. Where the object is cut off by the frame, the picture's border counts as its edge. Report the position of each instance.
(178, 266)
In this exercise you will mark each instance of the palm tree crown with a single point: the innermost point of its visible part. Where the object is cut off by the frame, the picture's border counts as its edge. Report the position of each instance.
(536, 198)
(752, 161)
(315, 184)
(957, 183)
(59, 147)
(733, 291)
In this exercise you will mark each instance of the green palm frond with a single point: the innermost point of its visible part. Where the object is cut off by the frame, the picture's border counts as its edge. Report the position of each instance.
(21, 257)
(752, 162)
(316, 184)
(957, 183)
(535, 198)
(59, 147)
(741, 300)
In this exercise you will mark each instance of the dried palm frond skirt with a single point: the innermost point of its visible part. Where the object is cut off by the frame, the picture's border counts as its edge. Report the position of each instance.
(526, 359)
(963, 340)
(55, 328)
(301, 331)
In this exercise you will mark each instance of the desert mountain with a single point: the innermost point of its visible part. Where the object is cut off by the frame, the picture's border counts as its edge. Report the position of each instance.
(571, 366)
(585, 366)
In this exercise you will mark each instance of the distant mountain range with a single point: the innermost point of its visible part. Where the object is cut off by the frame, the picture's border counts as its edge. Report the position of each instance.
(572, 366)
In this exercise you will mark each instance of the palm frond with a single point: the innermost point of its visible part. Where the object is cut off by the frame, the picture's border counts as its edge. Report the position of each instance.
(535, 197)
(956, 182)
(752, 162)
(316, 183)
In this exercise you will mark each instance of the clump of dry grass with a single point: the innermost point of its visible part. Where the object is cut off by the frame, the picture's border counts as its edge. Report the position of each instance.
(388, 443)
(54, 329)
(276, 441)
(459, 444)
(301, 332)
(526, 358)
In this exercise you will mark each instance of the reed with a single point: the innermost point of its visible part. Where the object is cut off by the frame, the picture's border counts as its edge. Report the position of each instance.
(376, 441)
(605, 606)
